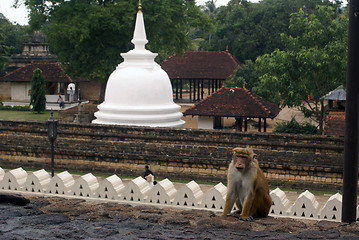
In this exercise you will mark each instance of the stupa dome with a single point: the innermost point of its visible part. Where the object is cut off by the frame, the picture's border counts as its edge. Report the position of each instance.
(139, 91)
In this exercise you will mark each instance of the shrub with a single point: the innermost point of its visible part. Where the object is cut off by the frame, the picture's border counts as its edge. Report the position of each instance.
(294, 127)
(38, 100)
(15, 108)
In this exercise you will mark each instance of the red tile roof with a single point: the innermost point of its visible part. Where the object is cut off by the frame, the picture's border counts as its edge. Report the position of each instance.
(200, 65)
(52, 72)
(335, 123)
(234, 102)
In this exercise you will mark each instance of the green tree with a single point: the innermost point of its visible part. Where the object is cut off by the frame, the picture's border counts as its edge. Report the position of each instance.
(313, 63)
(89, 35)
(11, 40)
(38, 100)
(253, 29)
(246, 76)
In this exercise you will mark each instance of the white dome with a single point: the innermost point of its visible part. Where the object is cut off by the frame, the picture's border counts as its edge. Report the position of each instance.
(139, 91)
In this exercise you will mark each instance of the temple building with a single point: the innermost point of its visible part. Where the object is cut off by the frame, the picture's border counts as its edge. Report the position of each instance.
(15, 82)
(195, 75)
(36, 50)
(238, 103)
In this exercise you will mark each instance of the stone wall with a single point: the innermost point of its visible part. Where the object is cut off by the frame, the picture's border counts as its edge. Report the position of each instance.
(300, 161)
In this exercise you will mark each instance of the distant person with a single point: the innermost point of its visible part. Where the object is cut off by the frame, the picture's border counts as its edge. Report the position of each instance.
(147, 172)
(71, 97)
(61, 102)
(149, 176)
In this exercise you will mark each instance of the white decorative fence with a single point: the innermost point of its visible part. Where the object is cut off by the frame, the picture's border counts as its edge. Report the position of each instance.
(163, 193)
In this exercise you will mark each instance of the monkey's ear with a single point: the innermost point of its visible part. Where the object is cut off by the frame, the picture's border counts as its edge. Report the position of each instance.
(254, 156)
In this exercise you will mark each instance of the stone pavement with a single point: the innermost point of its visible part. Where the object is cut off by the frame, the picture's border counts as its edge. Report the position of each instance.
(60, 218)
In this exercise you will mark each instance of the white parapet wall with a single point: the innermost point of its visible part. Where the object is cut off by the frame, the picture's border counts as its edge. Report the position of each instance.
(2, 173)
(14, 179)
(37, 181)
(280, 203)
(214, 199)
(305, 206)
(85, 186)
(110, 188)
(164, 193)
(61, 184)
(190, 195)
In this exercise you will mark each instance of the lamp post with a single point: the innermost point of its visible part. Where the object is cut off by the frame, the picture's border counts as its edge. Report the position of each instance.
(52, 134)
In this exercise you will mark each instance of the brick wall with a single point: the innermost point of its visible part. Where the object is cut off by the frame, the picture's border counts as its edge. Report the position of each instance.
(301, 161)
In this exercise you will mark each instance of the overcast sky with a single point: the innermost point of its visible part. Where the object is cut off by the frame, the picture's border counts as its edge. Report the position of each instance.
(15, 15)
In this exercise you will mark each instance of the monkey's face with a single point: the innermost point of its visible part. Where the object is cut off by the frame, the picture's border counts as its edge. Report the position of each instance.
(241, 161)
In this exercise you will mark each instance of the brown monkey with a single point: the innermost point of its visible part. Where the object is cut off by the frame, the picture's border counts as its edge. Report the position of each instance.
(247, 186)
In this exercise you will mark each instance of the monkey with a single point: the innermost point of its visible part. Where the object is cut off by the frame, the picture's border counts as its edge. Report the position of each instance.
(247, 186)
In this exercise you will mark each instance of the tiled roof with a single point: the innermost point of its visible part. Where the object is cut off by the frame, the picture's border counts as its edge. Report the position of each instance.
(335, 123)
(200, 65)
(234, 102)
(52, 72)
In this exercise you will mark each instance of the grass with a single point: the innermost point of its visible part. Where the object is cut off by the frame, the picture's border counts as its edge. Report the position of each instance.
(25, 115)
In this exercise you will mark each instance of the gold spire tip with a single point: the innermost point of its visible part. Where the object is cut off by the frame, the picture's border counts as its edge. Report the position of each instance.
(139, 6)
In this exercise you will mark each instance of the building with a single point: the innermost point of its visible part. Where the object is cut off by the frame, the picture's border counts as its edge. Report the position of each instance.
(36, 50)
(238, 103)
(195, 75)
(16, 85)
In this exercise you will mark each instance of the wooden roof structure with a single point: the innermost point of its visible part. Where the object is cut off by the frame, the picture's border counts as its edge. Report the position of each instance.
(199, 70)
(239, 103)
(201, 65)
(234, 102)
(52, 72)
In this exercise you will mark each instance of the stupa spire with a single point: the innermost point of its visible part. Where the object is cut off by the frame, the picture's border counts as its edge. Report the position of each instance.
(139, 6)
(139, 35)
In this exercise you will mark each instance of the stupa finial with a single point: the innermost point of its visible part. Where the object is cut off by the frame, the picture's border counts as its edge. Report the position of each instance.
(139, 35)
(139, 6)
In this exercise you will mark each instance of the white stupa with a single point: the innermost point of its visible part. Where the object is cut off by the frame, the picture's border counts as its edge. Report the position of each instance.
(139, 91)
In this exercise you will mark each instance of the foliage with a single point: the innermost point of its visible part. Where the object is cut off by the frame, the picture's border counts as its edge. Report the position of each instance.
(14, 108)
(38, 100)
(246, 76)
(89, 35)
(253, 29)
(312, 64)
(11, 39)
(294, 127)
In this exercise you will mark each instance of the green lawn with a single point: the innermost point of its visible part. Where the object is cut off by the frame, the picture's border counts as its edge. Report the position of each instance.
(25, 115)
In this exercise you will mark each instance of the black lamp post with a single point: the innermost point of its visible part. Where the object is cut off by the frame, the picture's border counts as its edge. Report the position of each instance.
(52, 134)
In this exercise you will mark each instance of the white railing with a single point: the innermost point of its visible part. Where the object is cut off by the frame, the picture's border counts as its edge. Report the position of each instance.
(139, 191)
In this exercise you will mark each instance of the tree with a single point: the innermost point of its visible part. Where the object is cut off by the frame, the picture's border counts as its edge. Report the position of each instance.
(11, 40)
(313, 63)
(89, 35)
(253, 29)
(38, 100)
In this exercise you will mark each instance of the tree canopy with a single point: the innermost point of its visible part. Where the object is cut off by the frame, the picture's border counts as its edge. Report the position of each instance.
(11, 39)
(89, 35)
(312, 63)
(250, 29)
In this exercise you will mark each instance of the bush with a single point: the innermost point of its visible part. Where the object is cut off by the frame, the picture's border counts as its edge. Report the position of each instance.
(294, 127)
(15, 108)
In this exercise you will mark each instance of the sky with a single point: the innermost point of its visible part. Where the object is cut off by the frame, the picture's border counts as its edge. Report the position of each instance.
(19, 15)
(15, 15)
